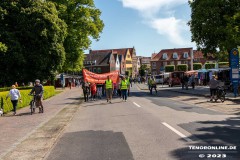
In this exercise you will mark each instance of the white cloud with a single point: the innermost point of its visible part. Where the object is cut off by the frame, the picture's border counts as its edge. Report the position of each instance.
(151, 7)
(172, 28)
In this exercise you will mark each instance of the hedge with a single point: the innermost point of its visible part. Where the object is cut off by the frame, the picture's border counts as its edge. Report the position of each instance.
(210, 65)
(197, 66)
(49, 91)
(169, 68)
(182, 67)
(19, 88)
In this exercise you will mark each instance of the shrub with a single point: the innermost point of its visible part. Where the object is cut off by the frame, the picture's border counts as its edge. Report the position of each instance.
(49, 91)
(197, 66)
(19, 88)
(182, 67)
(210, 65)
(169, 68)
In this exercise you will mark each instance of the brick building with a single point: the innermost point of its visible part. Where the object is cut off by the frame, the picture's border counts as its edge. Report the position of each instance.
(175, 57)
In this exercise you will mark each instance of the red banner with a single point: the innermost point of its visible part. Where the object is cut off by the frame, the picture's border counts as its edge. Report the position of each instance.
(100, 78)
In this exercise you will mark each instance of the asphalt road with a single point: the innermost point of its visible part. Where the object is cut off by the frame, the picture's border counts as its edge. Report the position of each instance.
(147, 128)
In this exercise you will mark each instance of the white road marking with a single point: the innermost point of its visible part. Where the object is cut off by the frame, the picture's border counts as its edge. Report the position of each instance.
(177, 132)
(136, 104)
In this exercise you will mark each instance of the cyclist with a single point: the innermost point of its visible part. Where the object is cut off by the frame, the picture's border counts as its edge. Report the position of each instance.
(38, 92)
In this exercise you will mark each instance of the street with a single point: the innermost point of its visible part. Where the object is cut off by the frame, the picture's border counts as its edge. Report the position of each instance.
(147, 127)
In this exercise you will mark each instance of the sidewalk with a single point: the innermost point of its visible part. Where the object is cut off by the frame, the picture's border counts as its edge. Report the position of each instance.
(15, 129)
(198, 91)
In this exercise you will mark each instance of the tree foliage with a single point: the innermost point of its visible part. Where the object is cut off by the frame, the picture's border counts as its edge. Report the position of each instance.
(215, 24)
(83, 23)
(143, 69)
(3, 47)
(34, 35)
(39, 38)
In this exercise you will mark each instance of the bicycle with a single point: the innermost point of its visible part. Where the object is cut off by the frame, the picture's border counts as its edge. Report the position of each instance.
(220, 94)
(34, 104)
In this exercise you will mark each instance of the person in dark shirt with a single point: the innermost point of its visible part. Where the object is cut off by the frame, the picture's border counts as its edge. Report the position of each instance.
(86, 90)
(37, 90)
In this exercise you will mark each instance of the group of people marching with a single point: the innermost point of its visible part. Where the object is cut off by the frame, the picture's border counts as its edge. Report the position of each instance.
(93, 90)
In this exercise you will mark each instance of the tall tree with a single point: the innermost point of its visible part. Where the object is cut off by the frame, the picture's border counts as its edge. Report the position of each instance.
(84, 23)
(215, 24)
(34, 36)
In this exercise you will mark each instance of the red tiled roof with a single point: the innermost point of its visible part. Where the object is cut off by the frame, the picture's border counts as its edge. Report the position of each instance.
(153, 55)
(170, 52)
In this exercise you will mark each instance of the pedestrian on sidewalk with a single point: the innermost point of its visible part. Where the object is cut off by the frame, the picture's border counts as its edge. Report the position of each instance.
(139, 80)
(70, 84)
(193, 81)
(93, 88)
(38, 92)
(109, 89)
(213, 84)
(124, 87)
(182, 82)
(86, 90)
(15, 96)
(186, 81)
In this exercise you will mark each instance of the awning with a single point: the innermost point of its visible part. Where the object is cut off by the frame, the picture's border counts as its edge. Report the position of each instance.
(191, 72)
(202, 70)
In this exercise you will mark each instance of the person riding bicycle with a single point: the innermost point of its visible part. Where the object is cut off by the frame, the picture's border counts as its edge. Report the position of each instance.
(38, 92)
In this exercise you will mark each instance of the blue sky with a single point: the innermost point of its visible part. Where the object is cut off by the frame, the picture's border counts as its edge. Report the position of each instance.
(148, 25)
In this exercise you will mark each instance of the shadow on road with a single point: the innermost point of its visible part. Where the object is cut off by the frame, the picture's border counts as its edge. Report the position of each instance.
(212, 133)
(92, 145)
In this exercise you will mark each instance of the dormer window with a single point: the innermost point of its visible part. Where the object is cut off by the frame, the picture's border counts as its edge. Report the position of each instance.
(175, 56)
(164, 56)
(185, 55)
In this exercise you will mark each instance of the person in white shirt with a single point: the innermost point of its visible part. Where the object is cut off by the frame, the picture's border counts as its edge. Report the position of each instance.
(15, 95)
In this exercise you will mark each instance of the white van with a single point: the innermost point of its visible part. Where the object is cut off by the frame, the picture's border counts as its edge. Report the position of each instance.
(157, 78)
(163, 78)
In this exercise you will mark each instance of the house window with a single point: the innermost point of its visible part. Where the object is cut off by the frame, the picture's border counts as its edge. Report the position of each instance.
(129, 56)
(99, 70)
(164, 56)
(94, 70)
(153, 65)
(185, 55)
(175, 56)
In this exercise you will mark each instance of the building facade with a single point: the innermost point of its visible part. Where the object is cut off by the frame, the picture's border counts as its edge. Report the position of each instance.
(174, 57)
(103, 61)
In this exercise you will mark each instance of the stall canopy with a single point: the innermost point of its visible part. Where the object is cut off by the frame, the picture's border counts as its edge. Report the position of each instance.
(202, 70)
(191, 72)
(100, 78)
